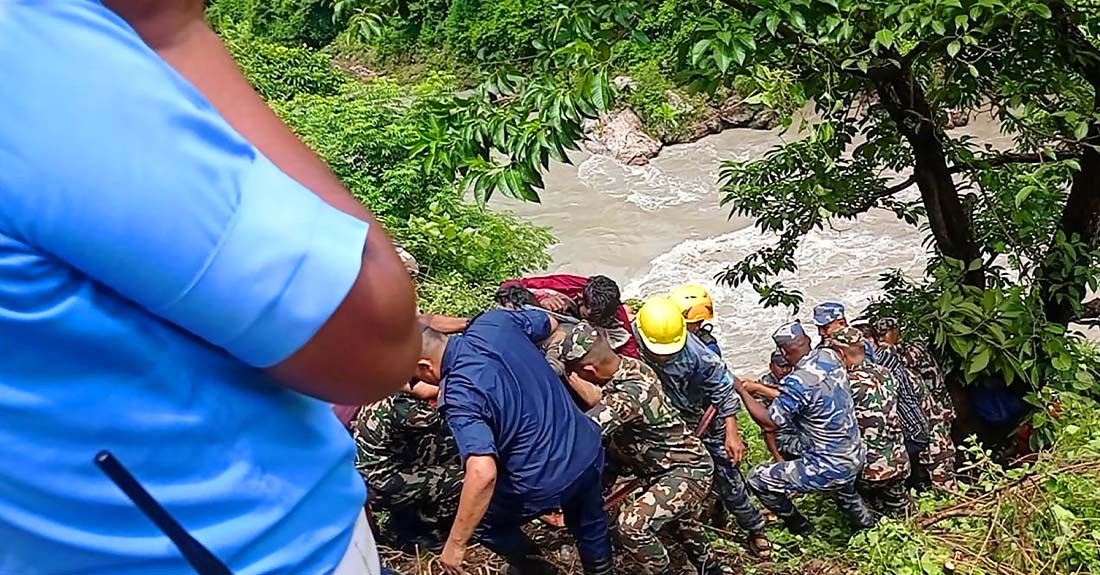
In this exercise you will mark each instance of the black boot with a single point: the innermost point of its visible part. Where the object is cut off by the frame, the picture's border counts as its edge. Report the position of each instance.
(797, 524)
(601, 567)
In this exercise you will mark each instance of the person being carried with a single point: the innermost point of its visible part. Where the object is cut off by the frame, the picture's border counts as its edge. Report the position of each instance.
(409, 460)
(526, 447)
(785, 445)
(875, 396)
(938, 461)
(639, 420)
(698, 310)
(814, 400)
(596, 299)
(694, 378)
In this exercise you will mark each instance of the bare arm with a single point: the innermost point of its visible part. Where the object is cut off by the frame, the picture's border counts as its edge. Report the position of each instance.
(773, 446)
(477, 492)
(367, 347)
(757, 411)
(757, 388)
(590, 394)
(444, 323)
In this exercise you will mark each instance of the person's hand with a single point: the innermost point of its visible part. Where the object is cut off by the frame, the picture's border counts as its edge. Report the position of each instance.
(735, 448)
(556, 303)
(452, 556)
(739, 385)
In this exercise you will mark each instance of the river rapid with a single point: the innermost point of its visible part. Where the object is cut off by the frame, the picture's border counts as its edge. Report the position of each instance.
(658, 226)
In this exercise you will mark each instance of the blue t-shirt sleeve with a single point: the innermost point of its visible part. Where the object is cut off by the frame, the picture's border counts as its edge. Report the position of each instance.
(144, 187)
(465, 410)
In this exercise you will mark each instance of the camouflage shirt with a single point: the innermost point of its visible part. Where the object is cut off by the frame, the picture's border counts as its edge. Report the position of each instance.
(694, 379)
(938, 404)
(643, 424)
(815, 401)
(875, 395)
(404, 449)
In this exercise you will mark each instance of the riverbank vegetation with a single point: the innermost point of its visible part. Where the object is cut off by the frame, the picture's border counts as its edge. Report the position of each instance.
(483, 94)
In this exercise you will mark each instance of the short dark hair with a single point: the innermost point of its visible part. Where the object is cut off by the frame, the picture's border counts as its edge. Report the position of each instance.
(602, 297)
(516, 297)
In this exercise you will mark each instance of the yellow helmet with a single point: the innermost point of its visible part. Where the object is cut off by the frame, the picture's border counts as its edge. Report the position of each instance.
(661, 326)
(695, 303)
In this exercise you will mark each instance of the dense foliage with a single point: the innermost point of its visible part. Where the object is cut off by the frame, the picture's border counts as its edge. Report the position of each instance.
(1013, 231)
(368, 133)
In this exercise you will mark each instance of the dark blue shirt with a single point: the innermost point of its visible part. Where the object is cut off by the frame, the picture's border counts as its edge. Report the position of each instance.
(500, 397)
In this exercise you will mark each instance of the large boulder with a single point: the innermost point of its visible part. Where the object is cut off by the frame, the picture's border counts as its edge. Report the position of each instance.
(620, 135)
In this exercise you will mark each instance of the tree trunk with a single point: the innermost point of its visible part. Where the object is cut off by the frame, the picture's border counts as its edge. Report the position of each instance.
(905, 102)
(1062, 291)
(1081, 218)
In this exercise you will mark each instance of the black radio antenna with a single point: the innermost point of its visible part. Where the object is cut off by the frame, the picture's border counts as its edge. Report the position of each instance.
(201, 559)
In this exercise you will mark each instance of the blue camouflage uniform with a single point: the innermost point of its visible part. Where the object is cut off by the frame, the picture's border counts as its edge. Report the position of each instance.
(815, 400)
(694, 379)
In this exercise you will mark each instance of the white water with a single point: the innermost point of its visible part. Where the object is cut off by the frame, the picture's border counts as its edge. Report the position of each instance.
(655, 227)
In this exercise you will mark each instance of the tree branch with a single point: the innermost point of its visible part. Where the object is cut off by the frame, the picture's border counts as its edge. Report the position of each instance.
(1014, 158)
(870, 201)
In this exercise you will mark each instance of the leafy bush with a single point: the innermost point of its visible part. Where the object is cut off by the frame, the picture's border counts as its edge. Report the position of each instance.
(368, 133)
(292, 22)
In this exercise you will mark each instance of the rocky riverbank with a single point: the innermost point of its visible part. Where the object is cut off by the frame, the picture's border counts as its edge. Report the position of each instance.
(623, 135)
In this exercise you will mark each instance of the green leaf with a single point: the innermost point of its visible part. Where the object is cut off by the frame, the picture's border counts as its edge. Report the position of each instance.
(938, 27)
(961, 21)
(979, 361)
(1021, 196)
(1042, 10)
(698, 49)
(953, 48)
(1081, 130)
(885, 37)
(772, 23)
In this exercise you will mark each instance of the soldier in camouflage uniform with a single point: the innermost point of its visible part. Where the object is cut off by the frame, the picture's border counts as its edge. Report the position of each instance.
(636, 416)
(939, 458)
(815, 400)
(875, 396)
(407, 456)
(695, 378)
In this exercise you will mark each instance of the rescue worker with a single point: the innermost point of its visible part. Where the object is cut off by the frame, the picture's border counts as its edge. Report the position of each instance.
(814, 400)
(694, 378)
(525, 447)
(596, 298)
(698, 310)
(785, 446)
(911, 394)
(875, 397)
(939, 459)
(828, 317)
(648, 432)
(409, 460)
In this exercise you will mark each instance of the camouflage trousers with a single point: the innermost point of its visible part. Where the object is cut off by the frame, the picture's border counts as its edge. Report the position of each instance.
(676, 500)
(773, 482)
(427, 495)
(888, 496)
(939, 459)
(730, 484)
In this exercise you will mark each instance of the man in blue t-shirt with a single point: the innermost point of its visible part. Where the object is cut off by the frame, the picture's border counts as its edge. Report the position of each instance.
(526, 447)
(178, 274)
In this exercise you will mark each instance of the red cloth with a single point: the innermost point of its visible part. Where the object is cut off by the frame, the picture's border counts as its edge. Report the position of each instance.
(345, 413)
(571, 287)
